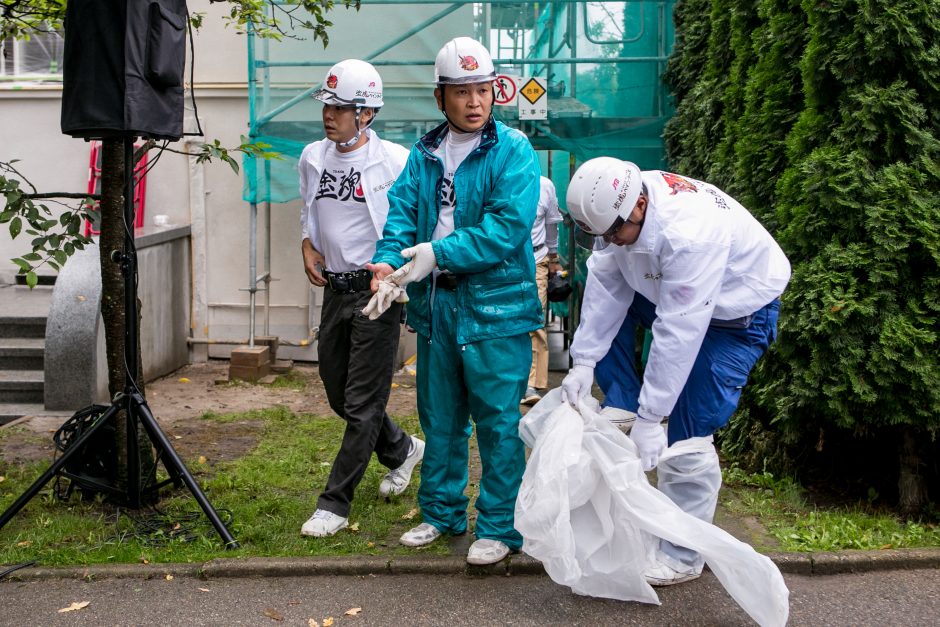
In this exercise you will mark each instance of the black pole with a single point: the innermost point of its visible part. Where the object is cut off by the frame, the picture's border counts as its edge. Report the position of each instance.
(129, 270)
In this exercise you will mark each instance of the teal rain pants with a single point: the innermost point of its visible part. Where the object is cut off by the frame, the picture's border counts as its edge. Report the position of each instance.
(484, 380)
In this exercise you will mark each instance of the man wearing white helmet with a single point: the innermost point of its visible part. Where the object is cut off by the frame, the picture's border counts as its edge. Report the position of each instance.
(462, 212)
(344, 180)
(691, 264)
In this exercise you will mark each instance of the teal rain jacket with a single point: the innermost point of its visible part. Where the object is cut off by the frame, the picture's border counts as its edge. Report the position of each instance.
(490, 250)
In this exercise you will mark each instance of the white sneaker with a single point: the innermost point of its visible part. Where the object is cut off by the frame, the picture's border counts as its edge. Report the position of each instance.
(531, 397)
(620, 418)
(421, 535)
(323, 523)
(396, 481)
(661, 574)
(486, 551)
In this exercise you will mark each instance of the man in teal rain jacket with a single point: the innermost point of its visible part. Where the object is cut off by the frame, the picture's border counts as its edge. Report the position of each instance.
(462, 211)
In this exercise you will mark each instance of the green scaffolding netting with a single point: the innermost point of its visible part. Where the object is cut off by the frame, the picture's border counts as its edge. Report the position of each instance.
(602, 63)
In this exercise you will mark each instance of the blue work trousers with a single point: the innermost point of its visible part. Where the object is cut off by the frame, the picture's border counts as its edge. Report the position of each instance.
(483, 380)
(720, 371)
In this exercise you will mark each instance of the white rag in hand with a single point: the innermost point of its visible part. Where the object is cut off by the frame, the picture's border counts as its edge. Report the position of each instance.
(388, 293)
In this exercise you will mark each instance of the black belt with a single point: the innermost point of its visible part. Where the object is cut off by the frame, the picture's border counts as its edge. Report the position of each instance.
(446, 281)
(738, 323)
(349, 282)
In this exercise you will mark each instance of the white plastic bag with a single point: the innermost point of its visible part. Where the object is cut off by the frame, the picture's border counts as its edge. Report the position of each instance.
(586, 510)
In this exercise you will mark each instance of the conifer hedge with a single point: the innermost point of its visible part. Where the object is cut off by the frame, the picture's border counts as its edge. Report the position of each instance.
(824, 119)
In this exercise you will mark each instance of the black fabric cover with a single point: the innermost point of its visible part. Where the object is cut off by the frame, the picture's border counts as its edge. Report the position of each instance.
(123, 68)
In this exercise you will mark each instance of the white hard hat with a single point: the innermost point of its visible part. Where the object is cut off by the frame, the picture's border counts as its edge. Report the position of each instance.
(463, 60)
(351, 82)
(602, 190)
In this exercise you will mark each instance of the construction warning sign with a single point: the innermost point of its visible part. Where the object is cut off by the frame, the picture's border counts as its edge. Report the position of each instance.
(505, 89)
(533, 105)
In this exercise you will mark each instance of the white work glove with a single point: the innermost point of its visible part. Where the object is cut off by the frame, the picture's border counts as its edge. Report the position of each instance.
(577, 384)
(421, 265)
(387, 293)
(650, 439)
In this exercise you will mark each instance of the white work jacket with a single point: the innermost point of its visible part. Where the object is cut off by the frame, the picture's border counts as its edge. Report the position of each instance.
(700, 255)
(384, 162)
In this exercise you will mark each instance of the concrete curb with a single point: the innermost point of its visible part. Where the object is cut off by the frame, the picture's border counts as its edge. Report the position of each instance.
(835, 563)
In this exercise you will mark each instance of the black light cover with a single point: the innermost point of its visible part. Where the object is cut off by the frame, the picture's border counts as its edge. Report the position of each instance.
(123, 68)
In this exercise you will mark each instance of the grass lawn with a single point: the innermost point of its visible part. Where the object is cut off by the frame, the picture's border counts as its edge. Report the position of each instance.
(267, 493)
(798, 525)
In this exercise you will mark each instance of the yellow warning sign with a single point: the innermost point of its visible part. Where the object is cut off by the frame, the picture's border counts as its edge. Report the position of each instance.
(532, 91)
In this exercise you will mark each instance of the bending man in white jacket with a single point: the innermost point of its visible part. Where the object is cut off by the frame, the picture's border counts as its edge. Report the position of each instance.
(691, 264)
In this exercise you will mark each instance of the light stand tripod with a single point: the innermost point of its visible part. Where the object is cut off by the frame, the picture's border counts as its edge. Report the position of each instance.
(131, 401)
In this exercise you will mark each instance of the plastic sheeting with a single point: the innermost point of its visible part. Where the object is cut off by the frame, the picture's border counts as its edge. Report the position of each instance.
(587, 511)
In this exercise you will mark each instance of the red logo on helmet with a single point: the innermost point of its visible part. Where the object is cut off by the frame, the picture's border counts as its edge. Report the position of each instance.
(615, 183)
(371, 83)
(331, 81)
(678, 184)
(468, 63)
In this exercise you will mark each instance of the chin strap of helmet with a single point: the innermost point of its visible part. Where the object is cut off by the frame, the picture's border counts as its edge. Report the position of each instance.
(352, 142)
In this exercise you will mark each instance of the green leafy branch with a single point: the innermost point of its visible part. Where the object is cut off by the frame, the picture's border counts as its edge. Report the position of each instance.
(54, 239)
(215, 150)
(274, 19)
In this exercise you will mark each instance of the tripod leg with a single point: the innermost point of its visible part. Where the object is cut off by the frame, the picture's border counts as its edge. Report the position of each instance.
(56, 466)
(139, 406)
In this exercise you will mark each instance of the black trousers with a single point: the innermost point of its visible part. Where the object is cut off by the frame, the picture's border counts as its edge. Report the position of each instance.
(357, 361)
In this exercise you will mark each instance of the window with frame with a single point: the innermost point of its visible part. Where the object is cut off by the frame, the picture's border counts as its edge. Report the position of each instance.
(36, 58)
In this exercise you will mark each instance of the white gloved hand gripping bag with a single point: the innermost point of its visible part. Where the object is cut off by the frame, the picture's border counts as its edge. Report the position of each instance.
(587, 511)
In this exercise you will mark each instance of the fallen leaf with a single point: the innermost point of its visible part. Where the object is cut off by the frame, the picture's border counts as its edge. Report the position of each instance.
(203, 589)
(410, 514)
(176, 526)
(324, 463)
(353, 611)
(202, 459)
(177, 437)
(293, 602)
(75, 606)
(2, 478)
(169, 577)
(144, 560)
(184, 380)
(371, 545)
(273, 614)
(24, 543)
(354, 526)
(394, 385)
(885, 546)
(327, 622)
(312, 622)
(81, 298)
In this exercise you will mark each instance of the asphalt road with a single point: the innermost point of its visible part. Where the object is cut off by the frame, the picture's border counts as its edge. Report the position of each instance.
(896, 598)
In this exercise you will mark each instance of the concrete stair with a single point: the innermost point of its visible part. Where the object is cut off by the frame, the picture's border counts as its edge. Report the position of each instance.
(22, 346)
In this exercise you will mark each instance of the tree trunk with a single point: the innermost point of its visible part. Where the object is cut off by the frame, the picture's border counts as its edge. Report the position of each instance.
(112, 301)
(912, 487)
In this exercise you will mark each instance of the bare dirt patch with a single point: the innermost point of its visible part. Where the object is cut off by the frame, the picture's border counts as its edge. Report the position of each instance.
(178, 400)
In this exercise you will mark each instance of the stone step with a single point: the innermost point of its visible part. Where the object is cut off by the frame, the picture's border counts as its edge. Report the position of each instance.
(14, 326)
(22, 353)
(21, 386)
(13, 411)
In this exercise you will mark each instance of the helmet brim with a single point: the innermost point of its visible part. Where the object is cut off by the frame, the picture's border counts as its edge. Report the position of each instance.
(327, 97)
(466, 80)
